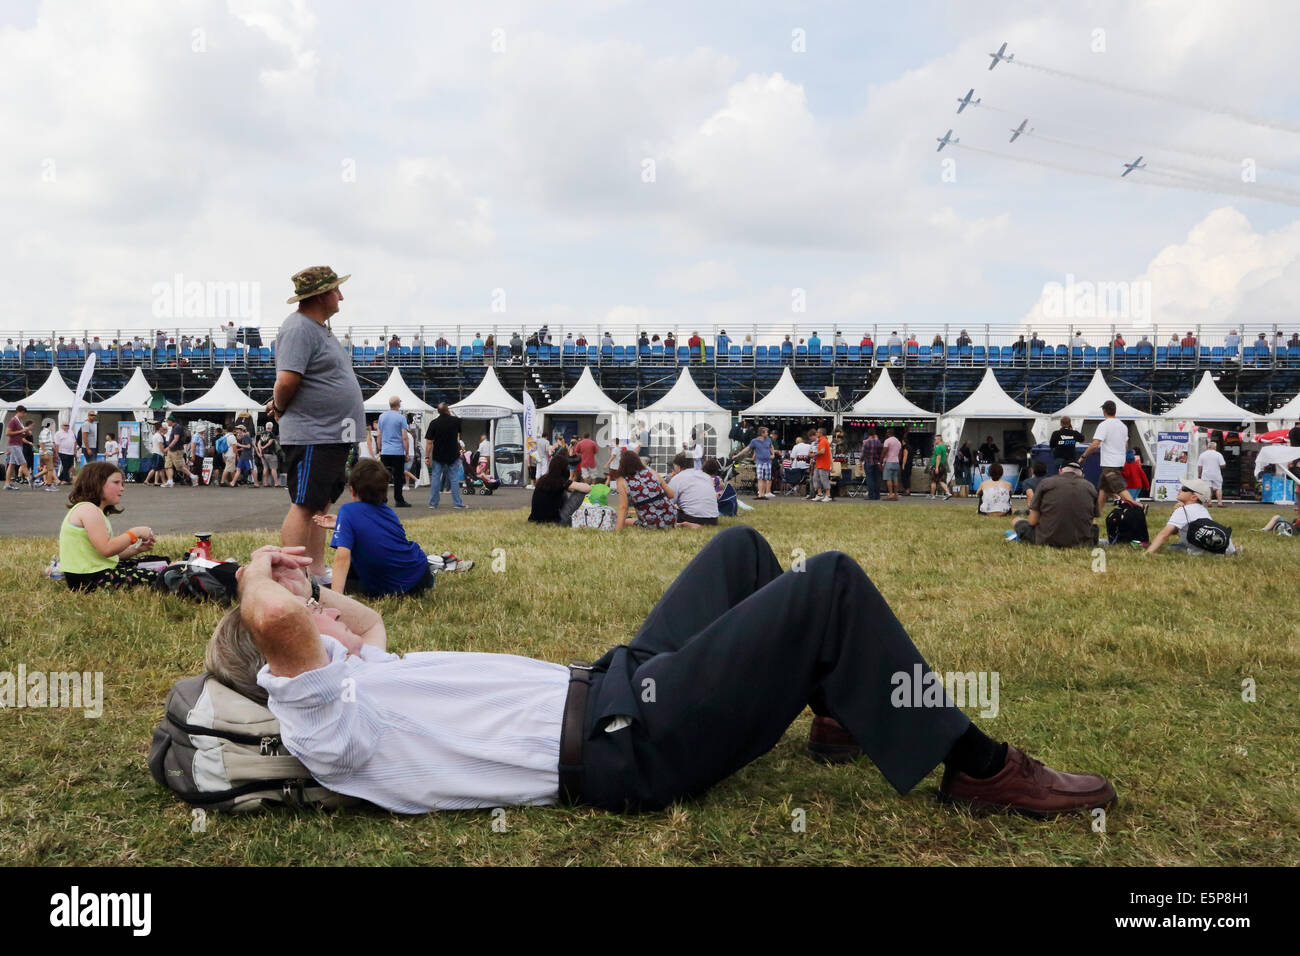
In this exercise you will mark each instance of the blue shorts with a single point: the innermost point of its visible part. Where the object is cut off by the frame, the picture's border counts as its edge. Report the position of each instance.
(892, 471)
(763, 470)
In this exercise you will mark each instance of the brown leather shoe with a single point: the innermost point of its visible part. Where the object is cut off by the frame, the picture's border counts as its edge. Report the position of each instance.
(828, 742)
(1025, 786)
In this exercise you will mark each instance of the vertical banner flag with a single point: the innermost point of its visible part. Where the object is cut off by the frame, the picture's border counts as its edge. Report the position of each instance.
(87, 371)
(1171, 464)
(530, 432)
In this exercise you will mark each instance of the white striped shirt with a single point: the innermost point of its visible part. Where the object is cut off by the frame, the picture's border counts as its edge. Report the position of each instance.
(427, 731)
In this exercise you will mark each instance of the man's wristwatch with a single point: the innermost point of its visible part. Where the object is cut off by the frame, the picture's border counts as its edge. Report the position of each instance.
(315, 587)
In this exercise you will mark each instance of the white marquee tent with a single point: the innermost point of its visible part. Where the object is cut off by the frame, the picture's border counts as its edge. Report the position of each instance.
(224, 396)
(1288, 414)
(993, 408)
(491, 403)
(1085, 414)
(672, 420)
(54, 395)
(592, 409)
(785, 400)
(1208, 404)
(884, 400)
(396, 385)
(136, 394)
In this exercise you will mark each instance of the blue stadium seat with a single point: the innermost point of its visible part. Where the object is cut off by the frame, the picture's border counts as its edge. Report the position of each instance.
(568, 349)
(530, 352)
(923, 355)
(828, 355)
(882, 355)
(708, 354)
(978, 355)
(801, 354)
(683, 355)
(466, 354)
(476, 353)
(842, 353)
(761, 355)
(619, 357)
(953, 353)
(1103, 355)
(1162, 355)
(1230, 351)
(657, 352)
(733, 354)
(1089, 356)
(787, 351)
(855, 353)
(1216, 355)
(593, 355)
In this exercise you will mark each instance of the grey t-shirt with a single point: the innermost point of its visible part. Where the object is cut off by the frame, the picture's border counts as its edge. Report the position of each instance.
(328, 407)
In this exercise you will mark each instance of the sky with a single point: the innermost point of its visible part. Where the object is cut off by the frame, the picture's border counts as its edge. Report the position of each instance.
(663, 165)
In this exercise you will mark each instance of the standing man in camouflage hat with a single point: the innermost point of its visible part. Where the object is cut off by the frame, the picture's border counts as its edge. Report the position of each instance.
(317, 401)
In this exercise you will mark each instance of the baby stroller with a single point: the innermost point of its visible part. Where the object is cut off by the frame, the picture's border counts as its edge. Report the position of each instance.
(476, 483)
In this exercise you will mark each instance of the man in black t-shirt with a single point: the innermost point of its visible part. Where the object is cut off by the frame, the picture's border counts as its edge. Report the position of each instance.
(1063, 442)
(1294, 435)
(442, 455)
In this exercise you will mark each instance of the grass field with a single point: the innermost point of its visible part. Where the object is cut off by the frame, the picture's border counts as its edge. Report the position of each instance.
(1135, 671)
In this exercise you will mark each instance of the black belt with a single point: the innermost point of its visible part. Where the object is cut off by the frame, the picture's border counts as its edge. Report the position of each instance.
(571, 732)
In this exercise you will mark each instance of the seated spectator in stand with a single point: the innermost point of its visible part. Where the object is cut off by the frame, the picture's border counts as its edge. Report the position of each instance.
(1061, 511)
(1030, 486)
(645, 490)
(1078, 341)
(1192, 499)
(1294, 341)
(669, 342)
(1135, 478)
(696, 345)
(551, 488)
(1144, 345)
(1019, 347)
(1035, 342)
(994, 493)
(894, 341)
(1189, 340)
(1261, 345)
(937, 343)
(90, 555)
(581, 340)
(372, 554)
(866, 342)
(606, 340)
(814, 344)
(694, 493)
(1231, 340)
(963, 340)
(1174, 341)
(911, 340)
(1119, 341)
(643, 341)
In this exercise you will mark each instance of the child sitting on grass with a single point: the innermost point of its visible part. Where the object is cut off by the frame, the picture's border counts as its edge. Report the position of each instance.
(372, 554)
(90, 556)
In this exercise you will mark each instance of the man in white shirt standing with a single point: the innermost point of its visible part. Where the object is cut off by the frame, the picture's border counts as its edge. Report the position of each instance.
(1209, 467)
(1111, 437)
(485, 451)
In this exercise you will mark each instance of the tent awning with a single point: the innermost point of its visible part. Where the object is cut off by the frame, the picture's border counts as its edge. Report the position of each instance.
(786, 400)
(685, 396)
(1207, 403)
(884, 400)
(396, 387)
(989, 400)
(224, 396)
(489, 400)
(585, 398)
(136, 393)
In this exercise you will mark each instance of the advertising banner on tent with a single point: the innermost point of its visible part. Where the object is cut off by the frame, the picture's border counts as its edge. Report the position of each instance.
(207, 470)
(530, 431)
(128, 437)
(1171, 464)
(508, 454)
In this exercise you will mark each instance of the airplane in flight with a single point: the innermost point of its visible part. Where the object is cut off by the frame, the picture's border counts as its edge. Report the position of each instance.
(998, 57)
(965, 101)
(1015, 133)
(945, 140)
(1129, 167)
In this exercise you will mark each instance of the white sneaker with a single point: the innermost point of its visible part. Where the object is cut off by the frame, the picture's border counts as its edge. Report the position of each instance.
(826, 501)
(769, 495)
(170, 484)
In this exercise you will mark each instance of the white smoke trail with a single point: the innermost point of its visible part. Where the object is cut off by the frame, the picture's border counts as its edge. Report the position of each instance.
(1235, 158)
(1188, 102)
(1175, 181)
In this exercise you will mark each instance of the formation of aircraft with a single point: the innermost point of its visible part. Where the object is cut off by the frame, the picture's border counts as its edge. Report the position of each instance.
(945, 140)
(1015, 133)
(965, 101)
(1129, 167)
(998, 57)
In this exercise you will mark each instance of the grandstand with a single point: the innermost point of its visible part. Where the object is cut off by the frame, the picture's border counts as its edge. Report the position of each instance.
(1150, 376)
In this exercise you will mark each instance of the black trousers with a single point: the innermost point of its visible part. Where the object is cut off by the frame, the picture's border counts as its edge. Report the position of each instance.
(396, 465)
(730, 656)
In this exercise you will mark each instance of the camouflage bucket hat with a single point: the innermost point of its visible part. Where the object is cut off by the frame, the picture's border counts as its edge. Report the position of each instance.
(315, 280)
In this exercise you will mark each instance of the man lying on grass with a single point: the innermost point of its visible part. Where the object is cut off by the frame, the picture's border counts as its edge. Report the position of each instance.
(726, 660)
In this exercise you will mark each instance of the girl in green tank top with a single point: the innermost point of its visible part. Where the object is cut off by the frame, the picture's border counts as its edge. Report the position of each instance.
(90, 556)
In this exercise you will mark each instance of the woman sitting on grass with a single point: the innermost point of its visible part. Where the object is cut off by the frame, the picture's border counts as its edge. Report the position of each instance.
(90, 556)
(551, 489)
(995, 494)
(642, 488)
(372, 554)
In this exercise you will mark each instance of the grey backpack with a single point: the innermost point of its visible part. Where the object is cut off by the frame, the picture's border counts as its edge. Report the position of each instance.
(216, 748)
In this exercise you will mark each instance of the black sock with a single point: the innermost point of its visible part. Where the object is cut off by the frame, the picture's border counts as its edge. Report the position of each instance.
(976, 754)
